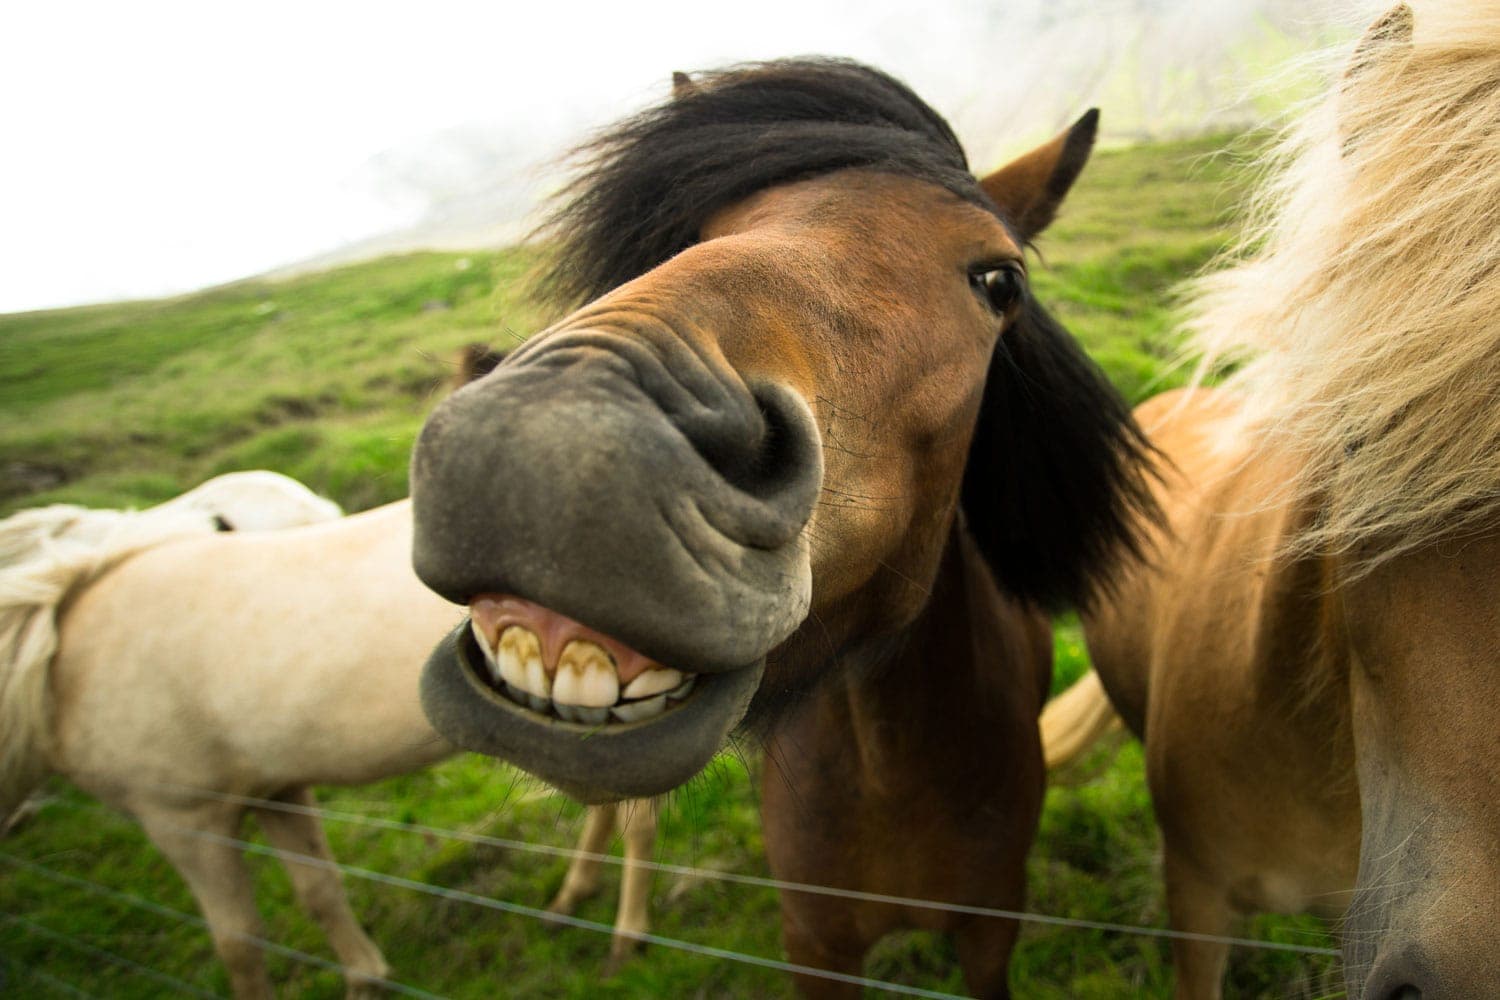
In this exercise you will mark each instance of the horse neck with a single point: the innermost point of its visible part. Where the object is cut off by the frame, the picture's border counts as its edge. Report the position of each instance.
(1301, 661)
(969, 666)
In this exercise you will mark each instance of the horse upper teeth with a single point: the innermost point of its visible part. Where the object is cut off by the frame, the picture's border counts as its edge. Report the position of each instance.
(486, 648)
(650, 682)
(585, 688)
(520, 662)
(585, 676)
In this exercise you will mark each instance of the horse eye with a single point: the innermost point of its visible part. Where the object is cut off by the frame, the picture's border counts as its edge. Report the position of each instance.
(1000, 287)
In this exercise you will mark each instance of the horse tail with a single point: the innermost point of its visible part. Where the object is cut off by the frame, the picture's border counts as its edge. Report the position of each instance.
(1075, 720)
(22, 535)
(49, 554)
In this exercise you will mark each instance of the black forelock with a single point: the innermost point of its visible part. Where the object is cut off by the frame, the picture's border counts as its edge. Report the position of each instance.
(648, 185)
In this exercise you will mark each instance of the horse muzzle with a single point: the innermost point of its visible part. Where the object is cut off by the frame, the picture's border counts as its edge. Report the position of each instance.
(628, 533)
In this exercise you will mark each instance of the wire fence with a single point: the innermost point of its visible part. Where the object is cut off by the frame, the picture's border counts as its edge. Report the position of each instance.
(57, 985)
(73, 942)
(150, 906)
(533, 913)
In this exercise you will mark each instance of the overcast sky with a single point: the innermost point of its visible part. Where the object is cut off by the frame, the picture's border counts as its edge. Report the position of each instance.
(149, 148)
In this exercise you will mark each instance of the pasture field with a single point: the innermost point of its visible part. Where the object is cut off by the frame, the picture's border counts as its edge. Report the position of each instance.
(327, 378)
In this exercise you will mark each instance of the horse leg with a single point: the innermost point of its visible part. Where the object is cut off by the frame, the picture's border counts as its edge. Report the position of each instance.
(215, 874)
(320, 889)
(638, 828)
(1197, 905)
(805, 948)
(984, 945)
(582, 880)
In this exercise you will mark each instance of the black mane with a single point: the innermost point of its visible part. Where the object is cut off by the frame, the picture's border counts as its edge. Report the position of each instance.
(650, 183)
(1057, 484)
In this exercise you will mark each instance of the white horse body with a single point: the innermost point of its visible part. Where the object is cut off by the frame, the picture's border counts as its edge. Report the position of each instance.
(47, 555)
(208, 671)
(250, 665)
(287, 658)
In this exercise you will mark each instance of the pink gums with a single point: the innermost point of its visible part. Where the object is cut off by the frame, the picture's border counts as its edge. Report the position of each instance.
(494, 613)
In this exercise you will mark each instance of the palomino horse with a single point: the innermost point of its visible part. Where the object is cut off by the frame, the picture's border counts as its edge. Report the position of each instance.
(808, 343)
(1312, 659)
(227, 677)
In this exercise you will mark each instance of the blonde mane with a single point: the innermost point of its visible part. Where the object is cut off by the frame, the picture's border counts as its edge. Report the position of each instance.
(1366, 311)
(50, 553)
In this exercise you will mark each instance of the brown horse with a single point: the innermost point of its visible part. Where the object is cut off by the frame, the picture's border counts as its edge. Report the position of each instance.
(1312, 658)
(915, 775)
(809, 343)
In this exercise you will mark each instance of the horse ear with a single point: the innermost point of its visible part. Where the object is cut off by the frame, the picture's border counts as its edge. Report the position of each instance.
(1391, 33)
(1393, 28)
(682, 85)
(475, 361)
(1057, 489)
(1029, 188)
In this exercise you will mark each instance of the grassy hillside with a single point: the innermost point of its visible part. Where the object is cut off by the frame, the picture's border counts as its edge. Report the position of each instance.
(325, 377)
(328, 377)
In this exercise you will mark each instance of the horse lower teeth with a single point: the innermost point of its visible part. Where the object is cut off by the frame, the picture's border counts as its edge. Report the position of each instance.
(581, 714)
(635, 711)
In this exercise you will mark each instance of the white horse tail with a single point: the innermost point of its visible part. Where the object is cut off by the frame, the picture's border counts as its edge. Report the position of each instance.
(64, 555)
(23, 534)
(1075, 720)
(50, 553)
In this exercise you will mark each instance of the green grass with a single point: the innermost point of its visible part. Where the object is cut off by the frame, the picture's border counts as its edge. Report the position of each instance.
(328, 377)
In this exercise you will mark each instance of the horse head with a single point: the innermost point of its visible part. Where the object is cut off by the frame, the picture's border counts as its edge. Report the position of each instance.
(808, 337)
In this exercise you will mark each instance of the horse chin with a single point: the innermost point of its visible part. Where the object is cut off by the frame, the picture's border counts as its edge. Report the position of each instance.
(606, 762)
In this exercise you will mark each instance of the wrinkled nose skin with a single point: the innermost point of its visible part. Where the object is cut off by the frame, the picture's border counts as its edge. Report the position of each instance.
(631, 489)
(564, 481)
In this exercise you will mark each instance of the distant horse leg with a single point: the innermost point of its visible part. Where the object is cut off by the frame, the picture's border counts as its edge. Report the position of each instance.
(320, 889)
(1199, 906)
(638, 827)
(582, 880)
(984, 945)
(215, 873)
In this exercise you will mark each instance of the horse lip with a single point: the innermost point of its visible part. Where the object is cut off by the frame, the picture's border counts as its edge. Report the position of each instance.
(592, 764)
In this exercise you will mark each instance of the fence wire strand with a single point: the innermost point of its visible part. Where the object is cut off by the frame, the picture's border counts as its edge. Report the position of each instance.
(193, 919)
(60, 985)
(70, 941)
(475, 899)
(757, 881)
(545, 916)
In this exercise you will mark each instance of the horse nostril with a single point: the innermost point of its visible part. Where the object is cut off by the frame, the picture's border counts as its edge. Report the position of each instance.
(776, 487)
(1396, 976)
(790, 447)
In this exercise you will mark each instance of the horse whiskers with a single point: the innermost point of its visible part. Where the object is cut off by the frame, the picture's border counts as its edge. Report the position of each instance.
(862, 496)
(812, 535)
